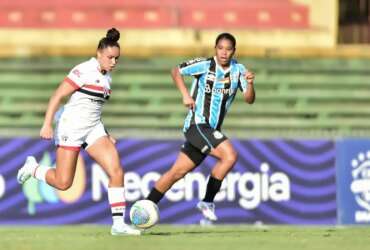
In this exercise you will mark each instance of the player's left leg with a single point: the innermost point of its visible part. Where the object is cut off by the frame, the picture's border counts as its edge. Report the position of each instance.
(104, 152)
(227, 156)
(60, 177)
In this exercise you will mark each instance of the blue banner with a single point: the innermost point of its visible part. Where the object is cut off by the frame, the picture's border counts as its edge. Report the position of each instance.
(353, 181)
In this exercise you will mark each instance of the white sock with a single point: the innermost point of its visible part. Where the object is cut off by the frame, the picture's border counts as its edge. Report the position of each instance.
(117, 201)
(40, 172)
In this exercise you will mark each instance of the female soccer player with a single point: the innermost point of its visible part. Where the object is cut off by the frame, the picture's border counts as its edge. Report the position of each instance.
(215, 83)
(79, 125)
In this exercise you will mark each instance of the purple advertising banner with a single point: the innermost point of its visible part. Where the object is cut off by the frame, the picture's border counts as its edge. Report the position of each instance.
(274, 181)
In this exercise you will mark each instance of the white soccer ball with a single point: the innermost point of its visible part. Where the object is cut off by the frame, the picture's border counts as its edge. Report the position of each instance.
(144, 214)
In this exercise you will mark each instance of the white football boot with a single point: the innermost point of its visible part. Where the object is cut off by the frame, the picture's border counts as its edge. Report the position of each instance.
(25, 172)
(124, 230)
(208, 210)
(205, 223)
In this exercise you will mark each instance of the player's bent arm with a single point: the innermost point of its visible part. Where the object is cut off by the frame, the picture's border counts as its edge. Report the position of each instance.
(180, 84)
(179, 81)
(65, 89)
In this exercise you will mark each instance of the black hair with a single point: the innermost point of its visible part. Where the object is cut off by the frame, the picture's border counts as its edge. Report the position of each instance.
(110, 40)
(226, 36)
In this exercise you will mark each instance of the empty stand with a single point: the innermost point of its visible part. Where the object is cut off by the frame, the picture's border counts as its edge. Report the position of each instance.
(282, 14)
(304, 98)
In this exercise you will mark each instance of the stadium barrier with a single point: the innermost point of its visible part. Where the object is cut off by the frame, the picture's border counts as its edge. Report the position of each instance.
(274, 181)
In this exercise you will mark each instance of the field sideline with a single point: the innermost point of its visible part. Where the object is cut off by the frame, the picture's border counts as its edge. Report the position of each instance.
(165, 237)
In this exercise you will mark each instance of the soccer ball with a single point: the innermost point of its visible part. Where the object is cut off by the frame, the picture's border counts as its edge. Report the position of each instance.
(144, 214)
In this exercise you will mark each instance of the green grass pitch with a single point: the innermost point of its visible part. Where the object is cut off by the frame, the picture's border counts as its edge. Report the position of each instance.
(233, 237)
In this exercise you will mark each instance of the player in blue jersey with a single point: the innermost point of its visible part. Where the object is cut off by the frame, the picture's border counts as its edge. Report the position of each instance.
(216, 81)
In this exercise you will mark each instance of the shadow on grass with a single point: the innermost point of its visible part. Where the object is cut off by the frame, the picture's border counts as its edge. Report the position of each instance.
(194, 232)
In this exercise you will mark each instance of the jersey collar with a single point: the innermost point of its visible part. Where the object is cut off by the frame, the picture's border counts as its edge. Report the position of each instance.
(96, 64)
(224, 70)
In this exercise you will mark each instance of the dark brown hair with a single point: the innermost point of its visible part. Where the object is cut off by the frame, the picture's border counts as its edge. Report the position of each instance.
(110, 40)
(226, 36)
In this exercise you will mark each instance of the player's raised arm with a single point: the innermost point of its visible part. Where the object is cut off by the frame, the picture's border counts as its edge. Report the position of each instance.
(65, 89)
(249, 94)
(246, 81)
(187, 100)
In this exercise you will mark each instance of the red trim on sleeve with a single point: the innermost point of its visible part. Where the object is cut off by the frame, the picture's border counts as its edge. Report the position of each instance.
(72, 83)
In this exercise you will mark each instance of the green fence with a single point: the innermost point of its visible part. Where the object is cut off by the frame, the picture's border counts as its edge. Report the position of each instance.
(295, 98)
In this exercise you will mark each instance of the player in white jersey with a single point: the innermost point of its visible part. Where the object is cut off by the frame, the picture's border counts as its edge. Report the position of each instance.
(78, 124)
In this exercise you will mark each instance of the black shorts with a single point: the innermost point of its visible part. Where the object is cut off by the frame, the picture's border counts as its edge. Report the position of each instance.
(200, 139)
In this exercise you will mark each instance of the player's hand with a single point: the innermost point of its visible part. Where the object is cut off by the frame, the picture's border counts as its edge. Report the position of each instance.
(46, 132)
(188, 101)
(111, 138)
(249, 77)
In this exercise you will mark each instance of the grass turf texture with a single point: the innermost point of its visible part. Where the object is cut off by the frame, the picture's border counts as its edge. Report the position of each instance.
(165, 237)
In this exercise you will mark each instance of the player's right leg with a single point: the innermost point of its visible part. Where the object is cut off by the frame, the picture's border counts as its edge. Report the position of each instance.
(60, 177)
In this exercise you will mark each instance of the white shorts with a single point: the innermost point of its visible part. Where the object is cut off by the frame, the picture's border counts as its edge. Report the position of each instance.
(73, 138)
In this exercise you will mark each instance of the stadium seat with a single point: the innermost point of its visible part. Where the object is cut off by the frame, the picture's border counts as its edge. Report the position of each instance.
(154, 14)
(294, 97)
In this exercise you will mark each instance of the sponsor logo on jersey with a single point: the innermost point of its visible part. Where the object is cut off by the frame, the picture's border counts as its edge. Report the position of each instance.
(211, 77)
(76, 72)
(194, 61)
(223, 91)
(96, 101)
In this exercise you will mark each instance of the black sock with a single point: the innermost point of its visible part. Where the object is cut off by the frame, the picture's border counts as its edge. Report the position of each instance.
(213, 187)
(155, 196)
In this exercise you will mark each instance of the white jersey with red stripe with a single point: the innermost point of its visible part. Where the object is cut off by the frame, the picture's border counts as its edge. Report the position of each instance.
(78, 123)
(92, 91)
